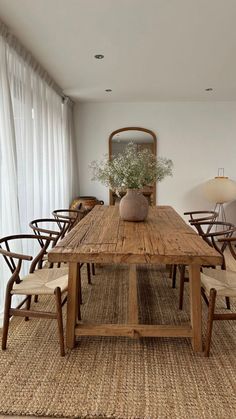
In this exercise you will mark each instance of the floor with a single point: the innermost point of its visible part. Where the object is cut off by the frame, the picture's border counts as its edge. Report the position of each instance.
(23, 417)
(231, 263)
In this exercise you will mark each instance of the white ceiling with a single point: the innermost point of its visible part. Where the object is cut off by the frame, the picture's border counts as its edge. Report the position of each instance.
(155, 50)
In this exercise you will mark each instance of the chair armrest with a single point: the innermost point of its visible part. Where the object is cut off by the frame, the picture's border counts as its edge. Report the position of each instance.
(20, 256)
(194, 212)
(228, 239)
(229, 226)
(15, 255)
(44, 230)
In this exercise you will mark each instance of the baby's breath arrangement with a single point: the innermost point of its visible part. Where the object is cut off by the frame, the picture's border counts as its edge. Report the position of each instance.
(131, 169)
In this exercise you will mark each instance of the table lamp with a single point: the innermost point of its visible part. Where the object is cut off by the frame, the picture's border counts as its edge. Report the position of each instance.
(220, 190)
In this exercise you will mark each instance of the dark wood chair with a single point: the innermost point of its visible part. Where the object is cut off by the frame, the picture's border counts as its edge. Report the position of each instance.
(49, 227)
(214, 280)
(57, 230)
(207, 232)
(220, 283)
(198, 216)
(39, 281)
(204, 215)
(73, 217)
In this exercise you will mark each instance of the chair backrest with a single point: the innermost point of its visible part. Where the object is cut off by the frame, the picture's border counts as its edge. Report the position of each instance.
(203, 215)
(41, 227)
(215, 231)
(72, 216)
(14, 260)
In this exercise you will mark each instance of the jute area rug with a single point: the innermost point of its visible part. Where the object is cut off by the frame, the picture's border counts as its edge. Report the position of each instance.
(119, 377)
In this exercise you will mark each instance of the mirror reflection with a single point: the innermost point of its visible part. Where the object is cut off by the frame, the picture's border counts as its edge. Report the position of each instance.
(140, 138)
(143, 138)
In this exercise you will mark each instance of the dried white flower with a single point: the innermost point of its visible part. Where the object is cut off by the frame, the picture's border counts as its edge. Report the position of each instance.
(131, 169)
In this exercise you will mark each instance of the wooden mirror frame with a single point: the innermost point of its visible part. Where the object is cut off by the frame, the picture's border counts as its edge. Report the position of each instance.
(148, 131)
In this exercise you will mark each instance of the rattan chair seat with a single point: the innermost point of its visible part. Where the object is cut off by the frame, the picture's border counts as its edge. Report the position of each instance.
(42, 282)
(224, 282)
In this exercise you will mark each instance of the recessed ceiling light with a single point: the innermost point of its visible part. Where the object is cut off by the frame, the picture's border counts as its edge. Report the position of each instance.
(99, 56)
(108, 90)
(208, 89)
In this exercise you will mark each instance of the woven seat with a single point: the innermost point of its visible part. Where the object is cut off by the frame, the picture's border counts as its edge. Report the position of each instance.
(42, 282)
(224, 282)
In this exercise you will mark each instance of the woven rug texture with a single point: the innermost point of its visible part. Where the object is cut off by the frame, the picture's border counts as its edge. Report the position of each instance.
(120, 377)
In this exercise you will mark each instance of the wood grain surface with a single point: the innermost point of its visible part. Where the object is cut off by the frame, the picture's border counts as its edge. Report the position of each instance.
(163, 238)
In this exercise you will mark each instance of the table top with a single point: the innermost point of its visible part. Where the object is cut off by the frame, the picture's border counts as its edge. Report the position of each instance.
(163, 237)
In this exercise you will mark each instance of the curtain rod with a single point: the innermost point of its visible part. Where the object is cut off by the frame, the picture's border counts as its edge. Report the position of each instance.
(14, 43)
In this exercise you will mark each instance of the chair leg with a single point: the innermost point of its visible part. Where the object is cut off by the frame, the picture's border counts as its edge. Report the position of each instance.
(36, 298)
(93, 269)
(210, 318)
(181, 287)
(59, 320)
(6, 320)
(204, 296)
(79, 287)
(227, 300)
(174, 270)
(79, 299)
(28, 302)
(88, 273)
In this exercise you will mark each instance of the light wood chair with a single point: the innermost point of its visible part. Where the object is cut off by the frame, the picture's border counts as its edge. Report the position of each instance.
(52, 281)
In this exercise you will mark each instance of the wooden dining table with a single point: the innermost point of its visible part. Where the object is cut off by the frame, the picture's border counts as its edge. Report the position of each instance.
(163, 238)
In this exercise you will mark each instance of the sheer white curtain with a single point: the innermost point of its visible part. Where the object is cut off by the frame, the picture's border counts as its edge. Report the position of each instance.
(71, 168)
(9, 209)
(36, 146)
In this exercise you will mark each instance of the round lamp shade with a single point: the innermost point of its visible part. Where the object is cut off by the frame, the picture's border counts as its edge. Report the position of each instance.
(220, 190)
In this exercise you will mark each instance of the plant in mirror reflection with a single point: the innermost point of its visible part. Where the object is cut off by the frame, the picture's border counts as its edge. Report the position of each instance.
(131, 169)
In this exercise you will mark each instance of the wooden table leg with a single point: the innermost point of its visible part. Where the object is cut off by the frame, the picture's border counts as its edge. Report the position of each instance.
(72, 304)
(195, 306)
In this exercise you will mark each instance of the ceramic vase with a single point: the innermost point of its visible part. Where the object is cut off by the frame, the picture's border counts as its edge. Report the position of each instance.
(133, 206)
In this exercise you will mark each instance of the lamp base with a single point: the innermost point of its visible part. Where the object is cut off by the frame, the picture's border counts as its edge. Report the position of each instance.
(221, 212)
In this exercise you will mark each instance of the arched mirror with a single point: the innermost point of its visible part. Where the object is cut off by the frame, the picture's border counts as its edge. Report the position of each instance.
(143, 138)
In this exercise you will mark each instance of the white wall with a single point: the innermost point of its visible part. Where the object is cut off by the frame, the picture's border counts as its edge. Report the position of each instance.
(198, 136)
